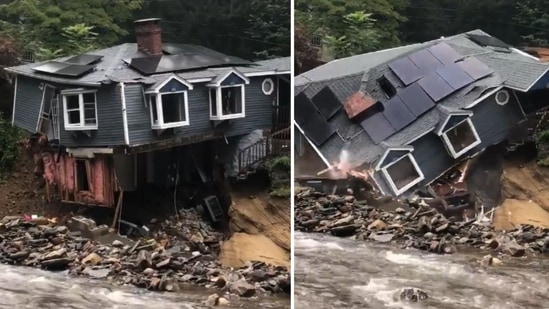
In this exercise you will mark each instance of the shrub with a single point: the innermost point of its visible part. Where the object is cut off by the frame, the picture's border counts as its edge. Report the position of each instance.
(9, 145)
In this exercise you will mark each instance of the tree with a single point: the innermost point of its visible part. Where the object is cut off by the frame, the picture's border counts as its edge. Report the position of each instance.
(323, 17)
(270, 23)
(534, 16)
(359, 36)
(43, 21)
(305, 55)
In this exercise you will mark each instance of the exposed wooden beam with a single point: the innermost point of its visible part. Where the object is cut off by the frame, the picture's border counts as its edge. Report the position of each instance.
(174, 142)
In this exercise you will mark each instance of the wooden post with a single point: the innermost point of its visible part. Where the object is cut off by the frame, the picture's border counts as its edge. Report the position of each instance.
(117, 210)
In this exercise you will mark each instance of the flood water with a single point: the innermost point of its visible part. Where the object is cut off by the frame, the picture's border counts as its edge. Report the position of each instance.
(22, 287)
(344, 273)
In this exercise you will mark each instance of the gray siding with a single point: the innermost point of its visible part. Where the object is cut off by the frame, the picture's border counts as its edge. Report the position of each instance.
(27, 104)
(493, 123)
(258, 113)
(110, 131)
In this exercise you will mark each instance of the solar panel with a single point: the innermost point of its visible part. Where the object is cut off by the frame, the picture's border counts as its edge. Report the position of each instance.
(486, 40)
(63, 69)
(425, 61)
(83, 59)
(304, 108)
(455, 76)
(475, 68)
(435, 86)
(444, 53)
(415, 98)
(397, 113)
(317, 129)
(377, 127)
(406, 70)
(184, 62)
(326, 102)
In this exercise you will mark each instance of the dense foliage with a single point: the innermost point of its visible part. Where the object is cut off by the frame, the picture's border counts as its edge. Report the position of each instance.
(9, 145)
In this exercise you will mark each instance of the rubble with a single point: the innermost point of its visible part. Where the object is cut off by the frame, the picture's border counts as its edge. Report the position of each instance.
(163, 263)
(414, 225)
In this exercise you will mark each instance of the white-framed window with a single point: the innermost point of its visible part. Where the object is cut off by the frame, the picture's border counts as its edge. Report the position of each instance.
(228, 96)
(402, 174)
(502, 97)
(227, 102)
(80, 110)
(267, 86)
(461, 138)
(169, 109)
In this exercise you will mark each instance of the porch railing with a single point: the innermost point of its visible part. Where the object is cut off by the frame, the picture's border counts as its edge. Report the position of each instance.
(273, 145)
(281, 117)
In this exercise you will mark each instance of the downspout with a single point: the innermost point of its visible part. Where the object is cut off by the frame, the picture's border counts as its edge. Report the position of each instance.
(14, 100)
(124, 114)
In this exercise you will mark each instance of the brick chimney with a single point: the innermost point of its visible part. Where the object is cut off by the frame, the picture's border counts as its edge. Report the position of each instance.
(149, 36)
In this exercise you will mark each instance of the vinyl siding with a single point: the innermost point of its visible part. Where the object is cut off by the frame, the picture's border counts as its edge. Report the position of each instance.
(27, 104)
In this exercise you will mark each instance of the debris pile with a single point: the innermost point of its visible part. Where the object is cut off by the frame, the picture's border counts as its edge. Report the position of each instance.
(161, 264)
(414, 225)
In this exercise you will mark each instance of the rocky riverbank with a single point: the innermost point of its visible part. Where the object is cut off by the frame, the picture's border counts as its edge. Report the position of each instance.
(160, 263)
(419, 227)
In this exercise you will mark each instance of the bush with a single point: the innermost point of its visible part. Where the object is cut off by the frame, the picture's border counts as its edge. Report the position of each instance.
(280, 164)
(9, 145)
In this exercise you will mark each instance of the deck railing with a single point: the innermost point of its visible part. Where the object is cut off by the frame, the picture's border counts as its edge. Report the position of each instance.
(273, 145)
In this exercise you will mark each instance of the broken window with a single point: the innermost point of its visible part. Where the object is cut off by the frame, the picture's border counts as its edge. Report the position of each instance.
(46, 109)
(169, 110)
(80, 110)
(227, 97)
(387, 87)
(403, 174)
(461, 138)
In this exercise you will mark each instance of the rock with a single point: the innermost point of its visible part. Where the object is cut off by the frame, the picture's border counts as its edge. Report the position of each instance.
(345, 230)
(117, 243)
(19, 255)
(400, 210)
(513, 249)
(92, 259)
(215, 300)
(242, 288)
(143, 259)
(382, 237)
(220, 282)
(97, 273)
(163, 264)
(55, 254)
(490, 261)
(413, 295)
(377, 225)
(56, 264)
(344, 221)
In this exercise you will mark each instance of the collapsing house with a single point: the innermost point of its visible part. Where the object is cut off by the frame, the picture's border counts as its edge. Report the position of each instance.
(410, 114)
(148, 113)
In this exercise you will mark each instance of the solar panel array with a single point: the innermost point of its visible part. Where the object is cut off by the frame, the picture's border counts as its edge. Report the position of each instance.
(429, 76)
(326, 102)
(73, 67)
(311, 120)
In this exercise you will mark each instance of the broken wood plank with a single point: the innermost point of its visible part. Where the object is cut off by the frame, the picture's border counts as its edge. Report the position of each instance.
(117, 210)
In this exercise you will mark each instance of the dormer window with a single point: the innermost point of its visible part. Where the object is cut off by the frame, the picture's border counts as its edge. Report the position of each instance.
(227, 96)
(169, 103)
(459, 134)
(388, 89)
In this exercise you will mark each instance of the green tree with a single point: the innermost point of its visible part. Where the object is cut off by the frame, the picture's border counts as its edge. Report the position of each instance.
(41, 22)
(270, 24)
(359, 37)
(534, 16)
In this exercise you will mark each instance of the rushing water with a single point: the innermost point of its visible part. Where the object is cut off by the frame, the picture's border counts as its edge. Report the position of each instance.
(344, 273)
(22, 287)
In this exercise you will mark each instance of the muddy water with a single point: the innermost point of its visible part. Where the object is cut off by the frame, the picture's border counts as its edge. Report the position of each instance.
(343, 273)
(30, 288)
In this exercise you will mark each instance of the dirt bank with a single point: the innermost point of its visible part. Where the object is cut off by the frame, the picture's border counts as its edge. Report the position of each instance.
(513, 213)
(525, 182)
(261, 230)
(21, 192)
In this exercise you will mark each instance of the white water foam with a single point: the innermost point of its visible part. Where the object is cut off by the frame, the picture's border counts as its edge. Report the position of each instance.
(314, 244)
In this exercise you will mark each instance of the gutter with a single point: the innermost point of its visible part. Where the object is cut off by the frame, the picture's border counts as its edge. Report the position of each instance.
(14, 101)
(124, 114)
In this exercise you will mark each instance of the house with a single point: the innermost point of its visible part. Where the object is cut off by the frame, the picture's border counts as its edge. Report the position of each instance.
(149, 112)
(408, 115)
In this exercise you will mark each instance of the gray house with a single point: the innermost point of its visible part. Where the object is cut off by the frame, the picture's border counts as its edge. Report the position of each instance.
(131, 114)
(411, 113)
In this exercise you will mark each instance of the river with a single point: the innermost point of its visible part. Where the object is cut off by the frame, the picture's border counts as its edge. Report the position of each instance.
(343, 273)
(22, 287)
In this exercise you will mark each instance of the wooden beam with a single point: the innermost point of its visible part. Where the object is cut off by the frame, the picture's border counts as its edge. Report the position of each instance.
(174, 142)
(117, 210)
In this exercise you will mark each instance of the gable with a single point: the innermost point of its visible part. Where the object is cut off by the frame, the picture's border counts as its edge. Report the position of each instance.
(233, 79)
(453, 121)
(392, 156)
(173, 85)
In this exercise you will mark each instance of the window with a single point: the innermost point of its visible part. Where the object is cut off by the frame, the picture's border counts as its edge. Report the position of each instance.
(227, 96)
(387, 87)
(461, 138)
(267, 86)
(227, 102)
(403, 174)
(169, 110)
(80, 110)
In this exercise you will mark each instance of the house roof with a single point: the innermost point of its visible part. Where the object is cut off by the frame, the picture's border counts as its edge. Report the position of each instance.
(514, 69)
(113, 67)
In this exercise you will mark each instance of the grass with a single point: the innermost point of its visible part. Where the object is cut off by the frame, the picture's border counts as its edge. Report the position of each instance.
(282, 192)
